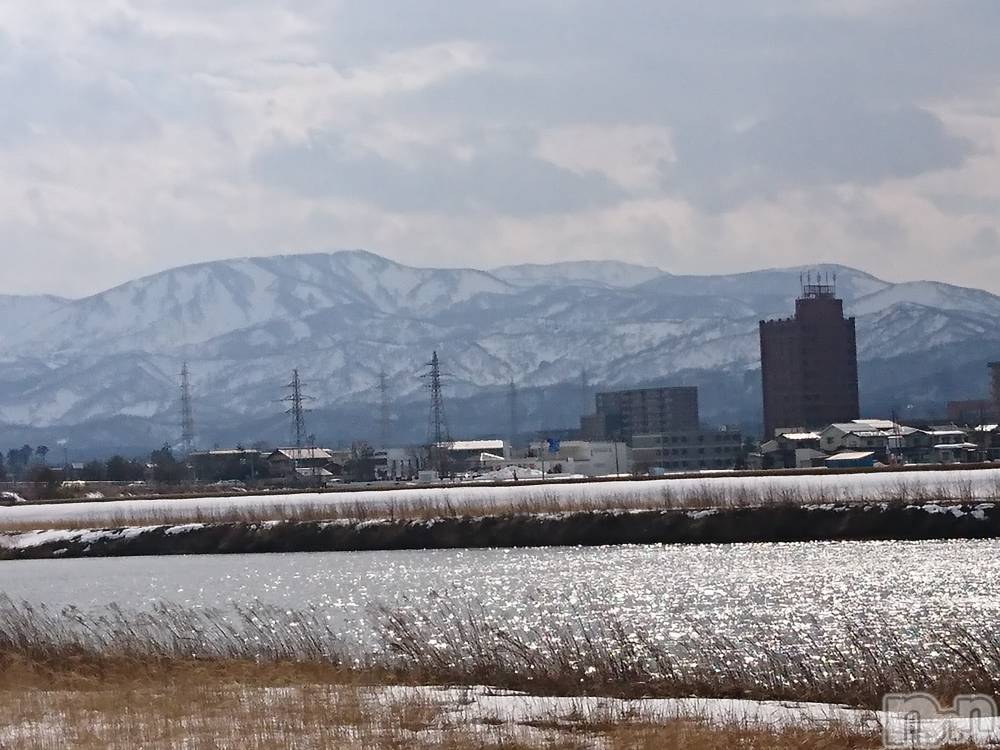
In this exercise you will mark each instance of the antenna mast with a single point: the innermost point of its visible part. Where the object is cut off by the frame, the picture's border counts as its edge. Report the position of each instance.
(187, 412)
(296, 398)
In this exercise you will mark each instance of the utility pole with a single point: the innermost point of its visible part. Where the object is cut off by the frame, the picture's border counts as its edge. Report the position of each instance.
(897, 433)
(187, 412)
(383, 392)
(512, 426)
(296, 398)
(438, 427)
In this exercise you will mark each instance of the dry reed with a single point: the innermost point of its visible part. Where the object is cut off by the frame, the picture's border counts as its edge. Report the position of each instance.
(215, 713)
(455, 644)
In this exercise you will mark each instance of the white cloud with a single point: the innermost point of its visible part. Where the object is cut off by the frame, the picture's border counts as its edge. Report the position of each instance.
(633, 156)
(693, 137)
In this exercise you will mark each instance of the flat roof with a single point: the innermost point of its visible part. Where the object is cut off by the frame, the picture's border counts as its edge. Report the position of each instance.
(475, 445)
(300, 454)
(851, 456)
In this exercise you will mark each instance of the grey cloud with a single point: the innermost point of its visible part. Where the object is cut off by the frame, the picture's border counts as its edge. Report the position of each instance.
(500, 177)
(835, 98)
(810, 145)
(661, 58)
(985, 245)
(760, 98)
(40, 98)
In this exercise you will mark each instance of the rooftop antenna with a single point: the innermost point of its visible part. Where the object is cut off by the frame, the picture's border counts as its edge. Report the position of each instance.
(297, 411)
(187, 412)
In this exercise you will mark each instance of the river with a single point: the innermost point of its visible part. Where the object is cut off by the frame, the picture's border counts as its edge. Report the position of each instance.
(809, 592)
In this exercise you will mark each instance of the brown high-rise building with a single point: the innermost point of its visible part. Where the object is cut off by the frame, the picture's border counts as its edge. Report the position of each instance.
(809, 363)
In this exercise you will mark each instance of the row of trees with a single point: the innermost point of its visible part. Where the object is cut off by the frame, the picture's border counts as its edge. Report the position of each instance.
(162, 466)
(22, 460)
(29, 465)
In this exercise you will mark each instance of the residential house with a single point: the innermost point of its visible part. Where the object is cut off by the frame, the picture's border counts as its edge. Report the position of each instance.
(290, 463)
(854, 436)
(792, 450)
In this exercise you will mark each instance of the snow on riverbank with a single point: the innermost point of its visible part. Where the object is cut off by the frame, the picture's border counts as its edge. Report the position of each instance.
(538, 721)
(966, 485)
(479, 705)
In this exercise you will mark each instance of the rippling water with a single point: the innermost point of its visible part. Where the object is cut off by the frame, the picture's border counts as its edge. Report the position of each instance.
(796, 592)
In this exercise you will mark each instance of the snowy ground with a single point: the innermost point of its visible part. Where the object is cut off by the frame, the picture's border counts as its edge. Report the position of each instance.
(478, 705)
(965, 485)
(542, 721)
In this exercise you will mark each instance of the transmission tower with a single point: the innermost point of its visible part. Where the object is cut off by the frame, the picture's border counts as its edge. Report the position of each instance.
(512, 424)
(438, 428)
(187, 412)
(438, 424)
(297, 411)
(383, 392)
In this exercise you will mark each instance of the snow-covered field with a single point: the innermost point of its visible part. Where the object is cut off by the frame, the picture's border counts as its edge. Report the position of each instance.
(960, 485)
(539, 721)
(481, 704)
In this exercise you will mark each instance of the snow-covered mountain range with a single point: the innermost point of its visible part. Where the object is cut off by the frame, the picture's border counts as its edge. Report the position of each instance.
(108, 364)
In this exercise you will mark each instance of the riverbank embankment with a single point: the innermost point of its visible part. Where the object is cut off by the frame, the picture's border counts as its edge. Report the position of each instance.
(774, 523)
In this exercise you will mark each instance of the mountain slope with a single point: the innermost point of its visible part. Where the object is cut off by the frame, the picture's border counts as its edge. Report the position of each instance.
(17, 312)
(341, 318)
(191, 305)
(603, 273)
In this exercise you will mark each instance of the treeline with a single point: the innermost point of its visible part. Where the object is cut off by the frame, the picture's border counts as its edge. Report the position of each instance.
(20, 461)
(27, 464)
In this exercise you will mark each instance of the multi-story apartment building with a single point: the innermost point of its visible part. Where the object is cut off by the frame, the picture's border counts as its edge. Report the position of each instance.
(644, 411)
(687, 450)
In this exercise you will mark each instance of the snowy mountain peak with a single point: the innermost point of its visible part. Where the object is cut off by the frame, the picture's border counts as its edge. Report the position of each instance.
(340, 317)
(604, 273)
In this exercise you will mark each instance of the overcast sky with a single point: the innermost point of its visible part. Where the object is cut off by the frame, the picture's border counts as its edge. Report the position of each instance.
(695, 135)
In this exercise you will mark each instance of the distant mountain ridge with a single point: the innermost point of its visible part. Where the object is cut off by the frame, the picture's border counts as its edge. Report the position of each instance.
(243, 324)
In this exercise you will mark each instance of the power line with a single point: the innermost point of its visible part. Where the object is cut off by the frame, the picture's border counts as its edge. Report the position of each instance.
(187, 412)
(297, 411)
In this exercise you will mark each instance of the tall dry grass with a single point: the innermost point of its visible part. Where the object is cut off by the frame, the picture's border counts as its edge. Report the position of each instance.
(455, 645)
(216, 713)
(609, 657)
